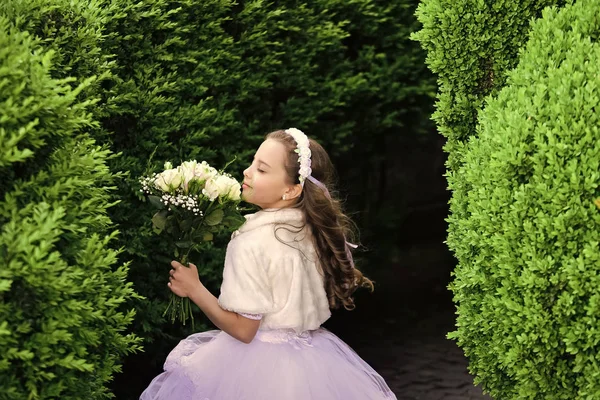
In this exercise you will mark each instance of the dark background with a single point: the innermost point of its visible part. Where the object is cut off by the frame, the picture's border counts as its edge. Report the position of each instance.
(408, 260)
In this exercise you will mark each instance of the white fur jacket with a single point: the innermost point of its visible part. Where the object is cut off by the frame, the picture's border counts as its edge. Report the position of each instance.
(272, 269)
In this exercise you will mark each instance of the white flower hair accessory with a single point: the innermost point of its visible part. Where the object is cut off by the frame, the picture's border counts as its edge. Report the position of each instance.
(303, 151)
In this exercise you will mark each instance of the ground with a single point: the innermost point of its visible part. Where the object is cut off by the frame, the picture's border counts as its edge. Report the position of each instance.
(420, 363)
(401, 328)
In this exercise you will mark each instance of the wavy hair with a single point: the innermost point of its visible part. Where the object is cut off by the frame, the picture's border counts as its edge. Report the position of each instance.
(330, 227)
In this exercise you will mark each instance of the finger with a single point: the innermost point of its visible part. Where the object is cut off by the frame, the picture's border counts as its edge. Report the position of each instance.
(176, 264)
(172, 272)
(192, 266)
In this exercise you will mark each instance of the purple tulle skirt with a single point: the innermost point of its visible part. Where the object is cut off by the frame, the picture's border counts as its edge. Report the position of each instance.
(276, 365)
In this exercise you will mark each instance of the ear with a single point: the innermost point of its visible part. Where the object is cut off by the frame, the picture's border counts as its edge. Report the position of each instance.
(293, 191)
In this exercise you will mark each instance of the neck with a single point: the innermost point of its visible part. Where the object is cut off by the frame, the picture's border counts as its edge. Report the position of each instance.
(279, 205)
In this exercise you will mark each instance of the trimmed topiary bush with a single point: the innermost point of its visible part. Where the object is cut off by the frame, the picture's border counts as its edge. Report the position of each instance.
(471, 45)
(74, 31)
(61, 292)
(527, 284)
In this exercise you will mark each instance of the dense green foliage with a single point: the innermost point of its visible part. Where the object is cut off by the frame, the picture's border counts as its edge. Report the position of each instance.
(471, 45)
(206, 80)
(61, 286)
(528, 238)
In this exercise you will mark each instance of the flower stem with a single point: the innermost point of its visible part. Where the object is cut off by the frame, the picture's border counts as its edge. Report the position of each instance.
(180, 308)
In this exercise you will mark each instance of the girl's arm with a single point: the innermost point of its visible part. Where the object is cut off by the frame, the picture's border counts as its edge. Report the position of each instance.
(241, 328)
(185, 282)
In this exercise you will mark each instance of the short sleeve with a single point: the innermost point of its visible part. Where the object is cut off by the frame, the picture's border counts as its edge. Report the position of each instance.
(255, 317)
(246, 287)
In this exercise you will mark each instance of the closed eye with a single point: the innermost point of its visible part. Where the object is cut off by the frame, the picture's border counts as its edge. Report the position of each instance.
(255, 160)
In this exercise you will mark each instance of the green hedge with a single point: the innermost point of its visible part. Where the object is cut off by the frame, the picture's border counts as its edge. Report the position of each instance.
(527, 281)
(471, 45)
(61, 289)
(74, 32)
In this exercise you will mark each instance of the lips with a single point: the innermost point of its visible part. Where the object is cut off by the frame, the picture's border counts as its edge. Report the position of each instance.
(245, 185)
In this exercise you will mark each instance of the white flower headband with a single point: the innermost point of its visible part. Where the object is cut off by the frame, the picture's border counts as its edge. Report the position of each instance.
(303, 150)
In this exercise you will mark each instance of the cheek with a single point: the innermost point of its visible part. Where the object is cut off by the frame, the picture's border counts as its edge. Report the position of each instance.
(255, 188)
(258, 185)
(262, 186)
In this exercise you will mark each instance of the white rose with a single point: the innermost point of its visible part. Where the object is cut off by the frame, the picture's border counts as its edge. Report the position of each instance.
(211, 189)
(204, 172)
(168, 180)
(224, 184)
(221, 186)
(235, 190)
(188, 170)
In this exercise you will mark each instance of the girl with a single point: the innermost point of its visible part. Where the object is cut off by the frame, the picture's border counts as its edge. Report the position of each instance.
(285, 268)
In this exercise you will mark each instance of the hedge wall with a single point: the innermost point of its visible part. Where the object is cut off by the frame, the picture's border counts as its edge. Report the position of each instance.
(471, 45)
(61, 286)
(527, 281)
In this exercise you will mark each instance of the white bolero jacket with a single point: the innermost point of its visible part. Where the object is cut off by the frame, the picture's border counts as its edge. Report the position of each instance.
(272, 269)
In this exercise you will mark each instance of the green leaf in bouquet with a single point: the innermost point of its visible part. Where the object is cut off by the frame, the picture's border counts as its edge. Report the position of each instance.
(172, 226)
(197, 221)
(186, 224)
(195, 186)
(214, 218)
(159, 220)
(185, 244)
(207, 236)
(234, 220)
(156, 202)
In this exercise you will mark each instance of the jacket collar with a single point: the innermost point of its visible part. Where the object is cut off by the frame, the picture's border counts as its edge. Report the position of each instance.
(271, 216)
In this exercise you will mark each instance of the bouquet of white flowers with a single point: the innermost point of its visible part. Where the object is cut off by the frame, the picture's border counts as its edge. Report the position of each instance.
(194, 201)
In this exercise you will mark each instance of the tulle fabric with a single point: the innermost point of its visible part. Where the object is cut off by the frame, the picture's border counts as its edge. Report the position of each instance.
(276, 365)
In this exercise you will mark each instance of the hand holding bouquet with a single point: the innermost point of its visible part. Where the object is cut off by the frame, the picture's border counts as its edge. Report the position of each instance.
(194, 201)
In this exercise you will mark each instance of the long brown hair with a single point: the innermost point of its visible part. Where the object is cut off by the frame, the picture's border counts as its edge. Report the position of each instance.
(331, 228)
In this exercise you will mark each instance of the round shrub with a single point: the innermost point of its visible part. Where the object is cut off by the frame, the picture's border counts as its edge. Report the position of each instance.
(527, 286)
(471, 45)
(61, 290)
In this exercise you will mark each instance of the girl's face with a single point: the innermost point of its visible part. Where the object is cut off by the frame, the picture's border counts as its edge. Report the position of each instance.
(266, 180)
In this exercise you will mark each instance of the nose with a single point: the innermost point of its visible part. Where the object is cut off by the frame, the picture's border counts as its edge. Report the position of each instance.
(247, 172)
